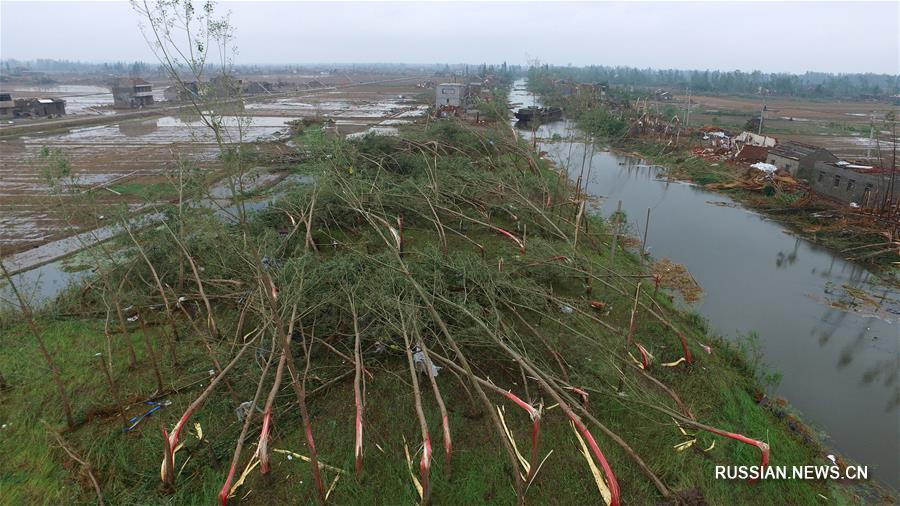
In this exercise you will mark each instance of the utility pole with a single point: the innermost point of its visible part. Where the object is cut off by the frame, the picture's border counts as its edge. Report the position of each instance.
(687, 120)
(762, 113)
(871, 137)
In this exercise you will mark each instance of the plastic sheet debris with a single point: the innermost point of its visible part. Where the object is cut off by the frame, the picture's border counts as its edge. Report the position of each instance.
(600, 306)
(269, 263)
(243, 410)
(155, 406)
(765, 167)
(566, 309)
(422, 364)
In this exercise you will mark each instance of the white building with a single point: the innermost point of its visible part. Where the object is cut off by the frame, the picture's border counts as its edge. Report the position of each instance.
(450, 94)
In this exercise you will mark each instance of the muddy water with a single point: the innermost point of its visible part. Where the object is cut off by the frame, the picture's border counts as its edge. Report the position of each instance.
(839, 367)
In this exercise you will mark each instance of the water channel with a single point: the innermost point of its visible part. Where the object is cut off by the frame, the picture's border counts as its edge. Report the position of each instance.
(839, 366)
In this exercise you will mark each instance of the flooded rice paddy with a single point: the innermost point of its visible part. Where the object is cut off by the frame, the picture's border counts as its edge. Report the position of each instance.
(140, 151)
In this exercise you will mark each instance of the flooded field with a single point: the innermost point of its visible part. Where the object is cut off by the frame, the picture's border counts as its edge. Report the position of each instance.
(831, 336)
(137, 153)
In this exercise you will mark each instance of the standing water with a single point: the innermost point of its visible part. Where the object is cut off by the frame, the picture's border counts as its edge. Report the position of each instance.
(839, 367)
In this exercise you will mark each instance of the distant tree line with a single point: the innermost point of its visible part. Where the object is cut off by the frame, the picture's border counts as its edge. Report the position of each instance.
(810, 84)
(9, 65)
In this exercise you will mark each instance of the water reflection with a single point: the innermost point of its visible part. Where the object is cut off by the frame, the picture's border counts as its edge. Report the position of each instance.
(782, 259)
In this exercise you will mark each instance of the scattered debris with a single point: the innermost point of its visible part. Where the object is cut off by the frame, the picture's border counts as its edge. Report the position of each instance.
(155, 406)
(676, 277)
(422, 364)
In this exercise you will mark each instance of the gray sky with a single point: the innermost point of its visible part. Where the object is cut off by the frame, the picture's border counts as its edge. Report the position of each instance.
(768, 36)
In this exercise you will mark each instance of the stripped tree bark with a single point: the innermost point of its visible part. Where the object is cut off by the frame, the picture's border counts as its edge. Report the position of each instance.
(425, 463)
(236, 457)
(171, 440)
(358, 388)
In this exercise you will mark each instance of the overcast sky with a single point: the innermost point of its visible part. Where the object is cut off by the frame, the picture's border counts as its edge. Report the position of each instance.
(768, 36)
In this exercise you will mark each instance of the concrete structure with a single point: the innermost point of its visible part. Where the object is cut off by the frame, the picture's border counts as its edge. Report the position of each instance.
(861, 184)
(798, 159)
(179, 93)
(450, 94)
(131, 93)
(38, 107)
(224, 87)
(6, 105)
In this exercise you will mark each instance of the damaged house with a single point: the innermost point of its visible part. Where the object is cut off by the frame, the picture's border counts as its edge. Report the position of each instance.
(182, 92)
(132, 93)
(797, 158)
(749, 138)
(257, 87)
(450, 95)
(6, 105)
(38, 107)
(863, 185)
(224, 87)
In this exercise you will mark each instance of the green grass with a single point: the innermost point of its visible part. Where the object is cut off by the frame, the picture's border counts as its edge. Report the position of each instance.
(127, 464)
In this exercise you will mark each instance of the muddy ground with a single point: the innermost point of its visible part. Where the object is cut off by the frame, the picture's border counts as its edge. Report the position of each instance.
(129, 155)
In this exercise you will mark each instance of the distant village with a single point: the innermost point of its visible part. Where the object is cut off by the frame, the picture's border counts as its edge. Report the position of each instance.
(137, 93)
(847, 182)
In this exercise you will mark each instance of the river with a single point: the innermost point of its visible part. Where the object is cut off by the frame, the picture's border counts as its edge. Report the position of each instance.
(839, 367)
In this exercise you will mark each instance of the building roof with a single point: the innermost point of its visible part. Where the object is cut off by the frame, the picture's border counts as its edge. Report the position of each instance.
(793, 150)
(131, 81)
(862, 169)
(752, 153)
(757, 140)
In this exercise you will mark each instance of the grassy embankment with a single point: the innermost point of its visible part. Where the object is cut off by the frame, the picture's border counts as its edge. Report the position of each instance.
(503, 305)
